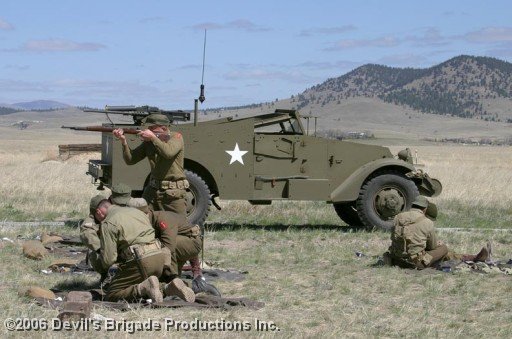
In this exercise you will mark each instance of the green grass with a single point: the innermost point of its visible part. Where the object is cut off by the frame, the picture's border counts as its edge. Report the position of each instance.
(311, 281)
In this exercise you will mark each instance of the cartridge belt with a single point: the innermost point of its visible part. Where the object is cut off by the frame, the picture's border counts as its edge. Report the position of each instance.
(140, 251)
(169, 184)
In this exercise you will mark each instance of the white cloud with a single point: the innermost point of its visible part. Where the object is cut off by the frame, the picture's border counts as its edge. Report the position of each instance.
(59, 45)
(152, 19)
(386, 41)
(4, 25)
(490, 34)
(327, 30)
(238, 24)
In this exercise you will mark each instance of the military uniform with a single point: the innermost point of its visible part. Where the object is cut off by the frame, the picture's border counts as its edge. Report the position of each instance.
(181, 238)
(414, 243)
(167, 185)
(127, 238)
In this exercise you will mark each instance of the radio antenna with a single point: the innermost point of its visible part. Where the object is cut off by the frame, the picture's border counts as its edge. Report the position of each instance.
(201, 93)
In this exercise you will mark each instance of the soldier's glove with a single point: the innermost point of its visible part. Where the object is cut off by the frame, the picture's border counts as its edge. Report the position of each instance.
(199, 284)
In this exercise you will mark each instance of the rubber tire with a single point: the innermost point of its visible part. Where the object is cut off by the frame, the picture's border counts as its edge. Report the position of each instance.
(202, 198)
(364, 203)
(348, 213)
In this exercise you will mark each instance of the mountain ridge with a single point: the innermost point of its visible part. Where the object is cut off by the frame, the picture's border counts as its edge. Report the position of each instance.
(456, 87)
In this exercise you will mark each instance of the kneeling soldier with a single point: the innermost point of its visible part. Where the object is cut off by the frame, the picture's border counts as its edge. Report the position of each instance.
(183, 240)
(127, 238)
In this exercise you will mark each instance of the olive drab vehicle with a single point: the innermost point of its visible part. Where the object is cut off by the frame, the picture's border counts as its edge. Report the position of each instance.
(271, 157)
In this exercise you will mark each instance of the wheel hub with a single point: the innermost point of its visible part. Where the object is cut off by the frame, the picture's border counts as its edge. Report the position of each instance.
(389, 202)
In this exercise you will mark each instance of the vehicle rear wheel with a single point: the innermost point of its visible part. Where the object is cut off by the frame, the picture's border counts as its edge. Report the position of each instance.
(348, 213)
(382, 197)
(198, 199)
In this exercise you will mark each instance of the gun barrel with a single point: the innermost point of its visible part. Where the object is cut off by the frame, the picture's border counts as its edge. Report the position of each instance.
(139, 112)
(162, 136)
(120, 108)
(102, 129)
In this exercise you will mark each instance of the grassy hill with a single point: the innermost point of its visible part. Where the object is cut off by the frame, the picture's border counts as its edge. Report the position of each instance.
(456, 87)
(464, 97)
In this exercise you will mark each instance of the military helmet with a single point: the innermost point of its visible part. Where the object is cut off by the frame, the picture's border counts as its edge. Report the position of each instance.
(156, 119)
(95, 201)
(431, 212)
(420, 201)
(121, 194)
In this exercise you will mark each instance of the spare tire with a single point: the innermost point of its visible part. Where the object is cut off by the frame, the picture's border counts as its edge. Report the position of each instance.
(198, 199)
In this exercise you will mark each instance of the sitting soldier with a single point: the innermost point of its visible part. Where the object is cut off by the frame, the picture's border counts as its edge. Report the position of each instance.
(414, 242)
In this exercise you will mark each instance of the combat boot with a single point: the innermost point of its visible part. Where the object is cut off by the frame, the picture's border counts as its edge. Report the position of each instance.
(150, 288)
(482, 256)
(178, 288)
(199, 285)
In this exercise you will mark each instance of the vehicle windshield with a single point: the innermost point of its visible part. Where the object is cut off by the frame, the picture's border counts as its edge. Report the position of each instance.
(287, 125)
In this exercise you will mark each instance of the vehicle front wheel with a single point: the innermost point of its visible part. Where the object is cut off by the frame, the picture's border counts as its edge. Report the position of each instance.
(348, 213)
(382, 197)
(198, 199)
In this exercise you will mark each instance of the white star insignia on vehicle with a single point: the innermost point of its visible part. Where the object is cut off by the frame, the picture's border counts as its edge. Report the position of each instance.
(236, 155)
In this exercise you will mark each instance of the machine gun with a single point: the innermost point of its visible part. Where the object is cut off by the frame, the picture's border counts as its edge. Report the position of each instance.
(162, 136)
(138, 113)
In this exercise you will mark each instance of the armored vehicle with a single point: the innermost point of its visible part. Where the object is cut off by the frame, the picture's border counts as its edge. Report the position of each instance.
(271, 157)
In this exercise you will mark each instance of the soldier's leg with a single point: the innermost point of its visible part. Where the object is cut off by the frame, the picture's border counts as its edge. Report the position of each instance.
(187, 248)
(432, 257)
(167, 235)
(437, 254)
(124, 284)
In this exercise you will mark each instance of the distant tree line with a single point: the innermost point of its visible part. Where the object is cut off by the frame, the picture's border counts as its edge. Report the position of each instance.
(7, 110)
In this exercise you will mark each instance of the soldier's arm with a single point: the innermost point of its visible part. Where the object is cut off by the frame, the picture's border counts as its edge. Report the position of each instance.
(432, 239)
(170, 148)
(132, 157)
(108, 251)
(89, 234)
(94, 260)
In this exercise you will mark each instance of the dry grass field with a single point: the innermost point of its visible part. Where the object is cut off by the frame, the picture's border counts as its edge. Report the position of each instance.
(300, 258)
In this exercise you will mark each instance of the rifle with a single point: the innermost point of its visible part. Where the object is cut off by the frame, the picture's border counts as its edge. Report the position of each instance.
(162, 136)
(138, 113)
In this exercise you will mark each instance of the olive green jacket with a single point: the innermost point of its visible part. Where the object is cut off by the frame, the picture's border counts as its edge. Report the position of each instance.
(89, 233)
(123, 227)
(166, 159)
(412, 233)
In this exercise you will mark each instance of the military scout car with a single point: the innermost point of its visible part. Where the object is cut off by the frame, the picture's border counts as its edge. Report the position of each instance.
(271, 157)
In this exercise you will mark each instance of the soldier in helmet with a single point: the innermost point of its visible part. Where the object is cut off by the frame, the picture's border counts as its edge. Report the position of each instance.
(167, 183)
(414, 242)
(89, 228)
(128, 239)
(167, 186)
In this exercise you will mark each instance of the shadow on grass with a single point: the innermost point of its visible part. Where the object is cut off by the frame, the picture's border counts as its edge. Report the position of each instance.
(215, 226)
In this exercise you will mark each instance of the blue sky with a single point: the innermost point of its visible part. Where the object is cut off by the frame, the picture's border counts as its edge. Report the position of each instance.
(150, 52)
